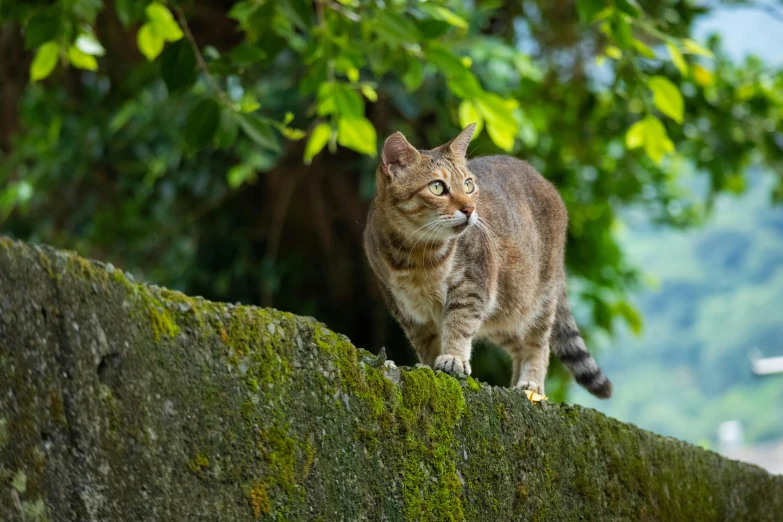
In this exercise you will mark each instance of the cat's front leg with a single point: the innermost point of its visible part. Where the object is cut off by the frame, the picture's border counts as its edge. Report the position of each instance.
(463, 314)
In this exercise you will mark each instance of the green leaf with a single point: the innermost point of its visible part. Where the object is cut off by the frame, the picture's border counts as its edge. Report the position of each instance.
(631, 316)
(527, 68)
(635, 136)
(357, 134)
(41, 28)
(432, 29)
(702, 76)
(414, 75)
(335, 97)
(163, 22)
(527, 131)
(246, 54)
(468, 114)
(259, 131)
(88, 44)
(228, 129)
(326, 99)
(318, 139)
(349, 104)
(446, 61)
(149, 42)
(369, 93)
(629, 7)
(44, 62)
(466, 86)
(178, 66)
(735, 183)
(242, 11)
(651, 134)
(459, 77)
(81, 60)
(588, 9)
(128, 11)
(442, 13)
(695, 48)
(299, 12)
(501, 136)
(677, 58)
(122, 116)
(643, 49)
(613, 52)
(501, 126)
(396, 30)
(202, 123)
(667, 97)
(293, 134)
(239, 174)
(248, 103)
(621, 31)
(86, 10)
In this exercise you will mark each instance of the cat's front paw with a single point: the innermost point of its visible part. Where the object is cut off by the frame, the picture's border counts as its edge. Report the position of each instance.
(530, 385)
(452, 364)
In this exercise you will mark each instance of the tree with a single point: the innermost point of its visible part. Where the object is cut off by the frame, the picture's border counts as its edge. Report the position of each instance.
(228, 148)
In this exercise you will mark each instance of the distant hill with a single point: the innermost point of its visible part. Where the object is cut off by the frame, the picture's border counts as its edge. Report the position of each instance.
(719, 296)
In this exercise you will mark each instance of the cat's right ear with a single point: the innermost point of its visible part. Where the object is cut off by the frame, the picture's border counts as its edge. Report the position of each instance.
(397, 154)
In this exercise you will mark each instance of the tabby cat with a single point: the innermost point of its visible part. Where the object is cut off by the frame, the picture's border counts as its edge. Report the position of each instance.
(466, 249)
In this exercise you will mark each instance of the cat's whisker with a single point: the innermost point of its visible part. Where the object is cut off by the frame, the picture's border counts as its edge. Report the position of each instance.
(443, 225)
(483, 233)
(430, 226)
(427, 224)
(435, 233)
(488, 226)
(408, 237)
(473, 152)
(405, 240)
(489, 237)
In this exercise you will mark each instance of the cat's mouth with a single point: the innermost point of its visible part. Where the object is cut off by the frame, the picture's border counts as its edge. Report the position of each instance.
(460, 227)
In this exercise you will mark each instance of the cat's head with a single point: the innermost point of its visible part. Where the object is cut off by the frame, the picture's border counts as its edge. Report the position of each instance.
(429, 194)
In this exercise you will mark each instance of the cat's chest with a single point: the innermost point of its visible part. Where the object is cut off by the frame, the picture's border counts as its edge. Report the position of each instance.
(420, 297)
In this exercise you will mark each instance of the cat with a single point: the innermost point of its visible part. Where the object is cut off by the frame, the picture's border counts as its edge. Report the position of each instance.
(474, 249)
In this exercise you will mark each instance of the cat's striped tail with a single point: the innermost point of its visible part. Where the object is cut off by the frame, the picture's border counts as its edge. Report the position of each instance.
(567, 343)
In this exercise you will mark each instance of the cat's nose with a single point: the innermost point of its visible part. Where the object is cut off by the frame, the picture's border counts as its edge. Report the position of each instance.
(468, 210)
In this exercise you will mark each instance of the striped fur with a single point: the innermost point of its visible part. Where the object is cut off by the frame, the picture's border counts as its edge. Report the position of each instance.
(465, 250)
(568, 345)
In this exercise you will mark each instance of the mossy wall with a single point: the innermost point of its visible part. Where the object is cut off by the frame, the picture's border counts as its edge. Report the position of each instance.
(123, 402)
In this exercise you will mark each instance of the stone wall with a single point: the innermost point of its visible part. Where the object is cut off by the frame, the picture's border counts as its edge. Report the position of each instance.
(127, 402)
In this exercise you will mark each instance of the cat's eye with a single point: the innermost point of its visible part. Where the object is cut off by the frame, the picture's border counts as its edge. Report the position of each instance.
(437, 188)
(469, 186)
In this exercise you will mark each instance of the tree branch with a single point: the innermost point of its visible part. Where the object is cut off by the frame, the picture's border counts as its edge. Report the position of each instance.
(202, 64)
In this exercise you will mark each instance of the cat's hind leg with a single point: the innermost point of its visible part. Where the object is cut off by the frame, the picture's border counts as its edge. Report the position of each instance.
(534, 357)
(529, 353)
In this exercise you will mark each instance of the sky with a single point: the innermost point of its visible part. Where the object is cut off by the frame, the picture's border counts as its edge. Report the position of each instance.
(745, 31)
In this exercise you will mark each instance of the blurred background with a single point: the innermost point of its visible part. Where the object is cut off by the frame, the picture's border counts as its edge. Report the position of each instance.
(228, 149)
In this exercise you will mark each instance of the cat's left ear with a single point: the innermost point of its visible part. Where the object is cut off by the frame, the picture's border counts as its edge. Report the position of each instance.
(459, 145)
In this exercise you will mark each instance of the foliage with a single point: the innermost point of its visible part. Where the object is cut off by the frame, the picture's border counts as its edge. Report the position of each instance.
(222, 147)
